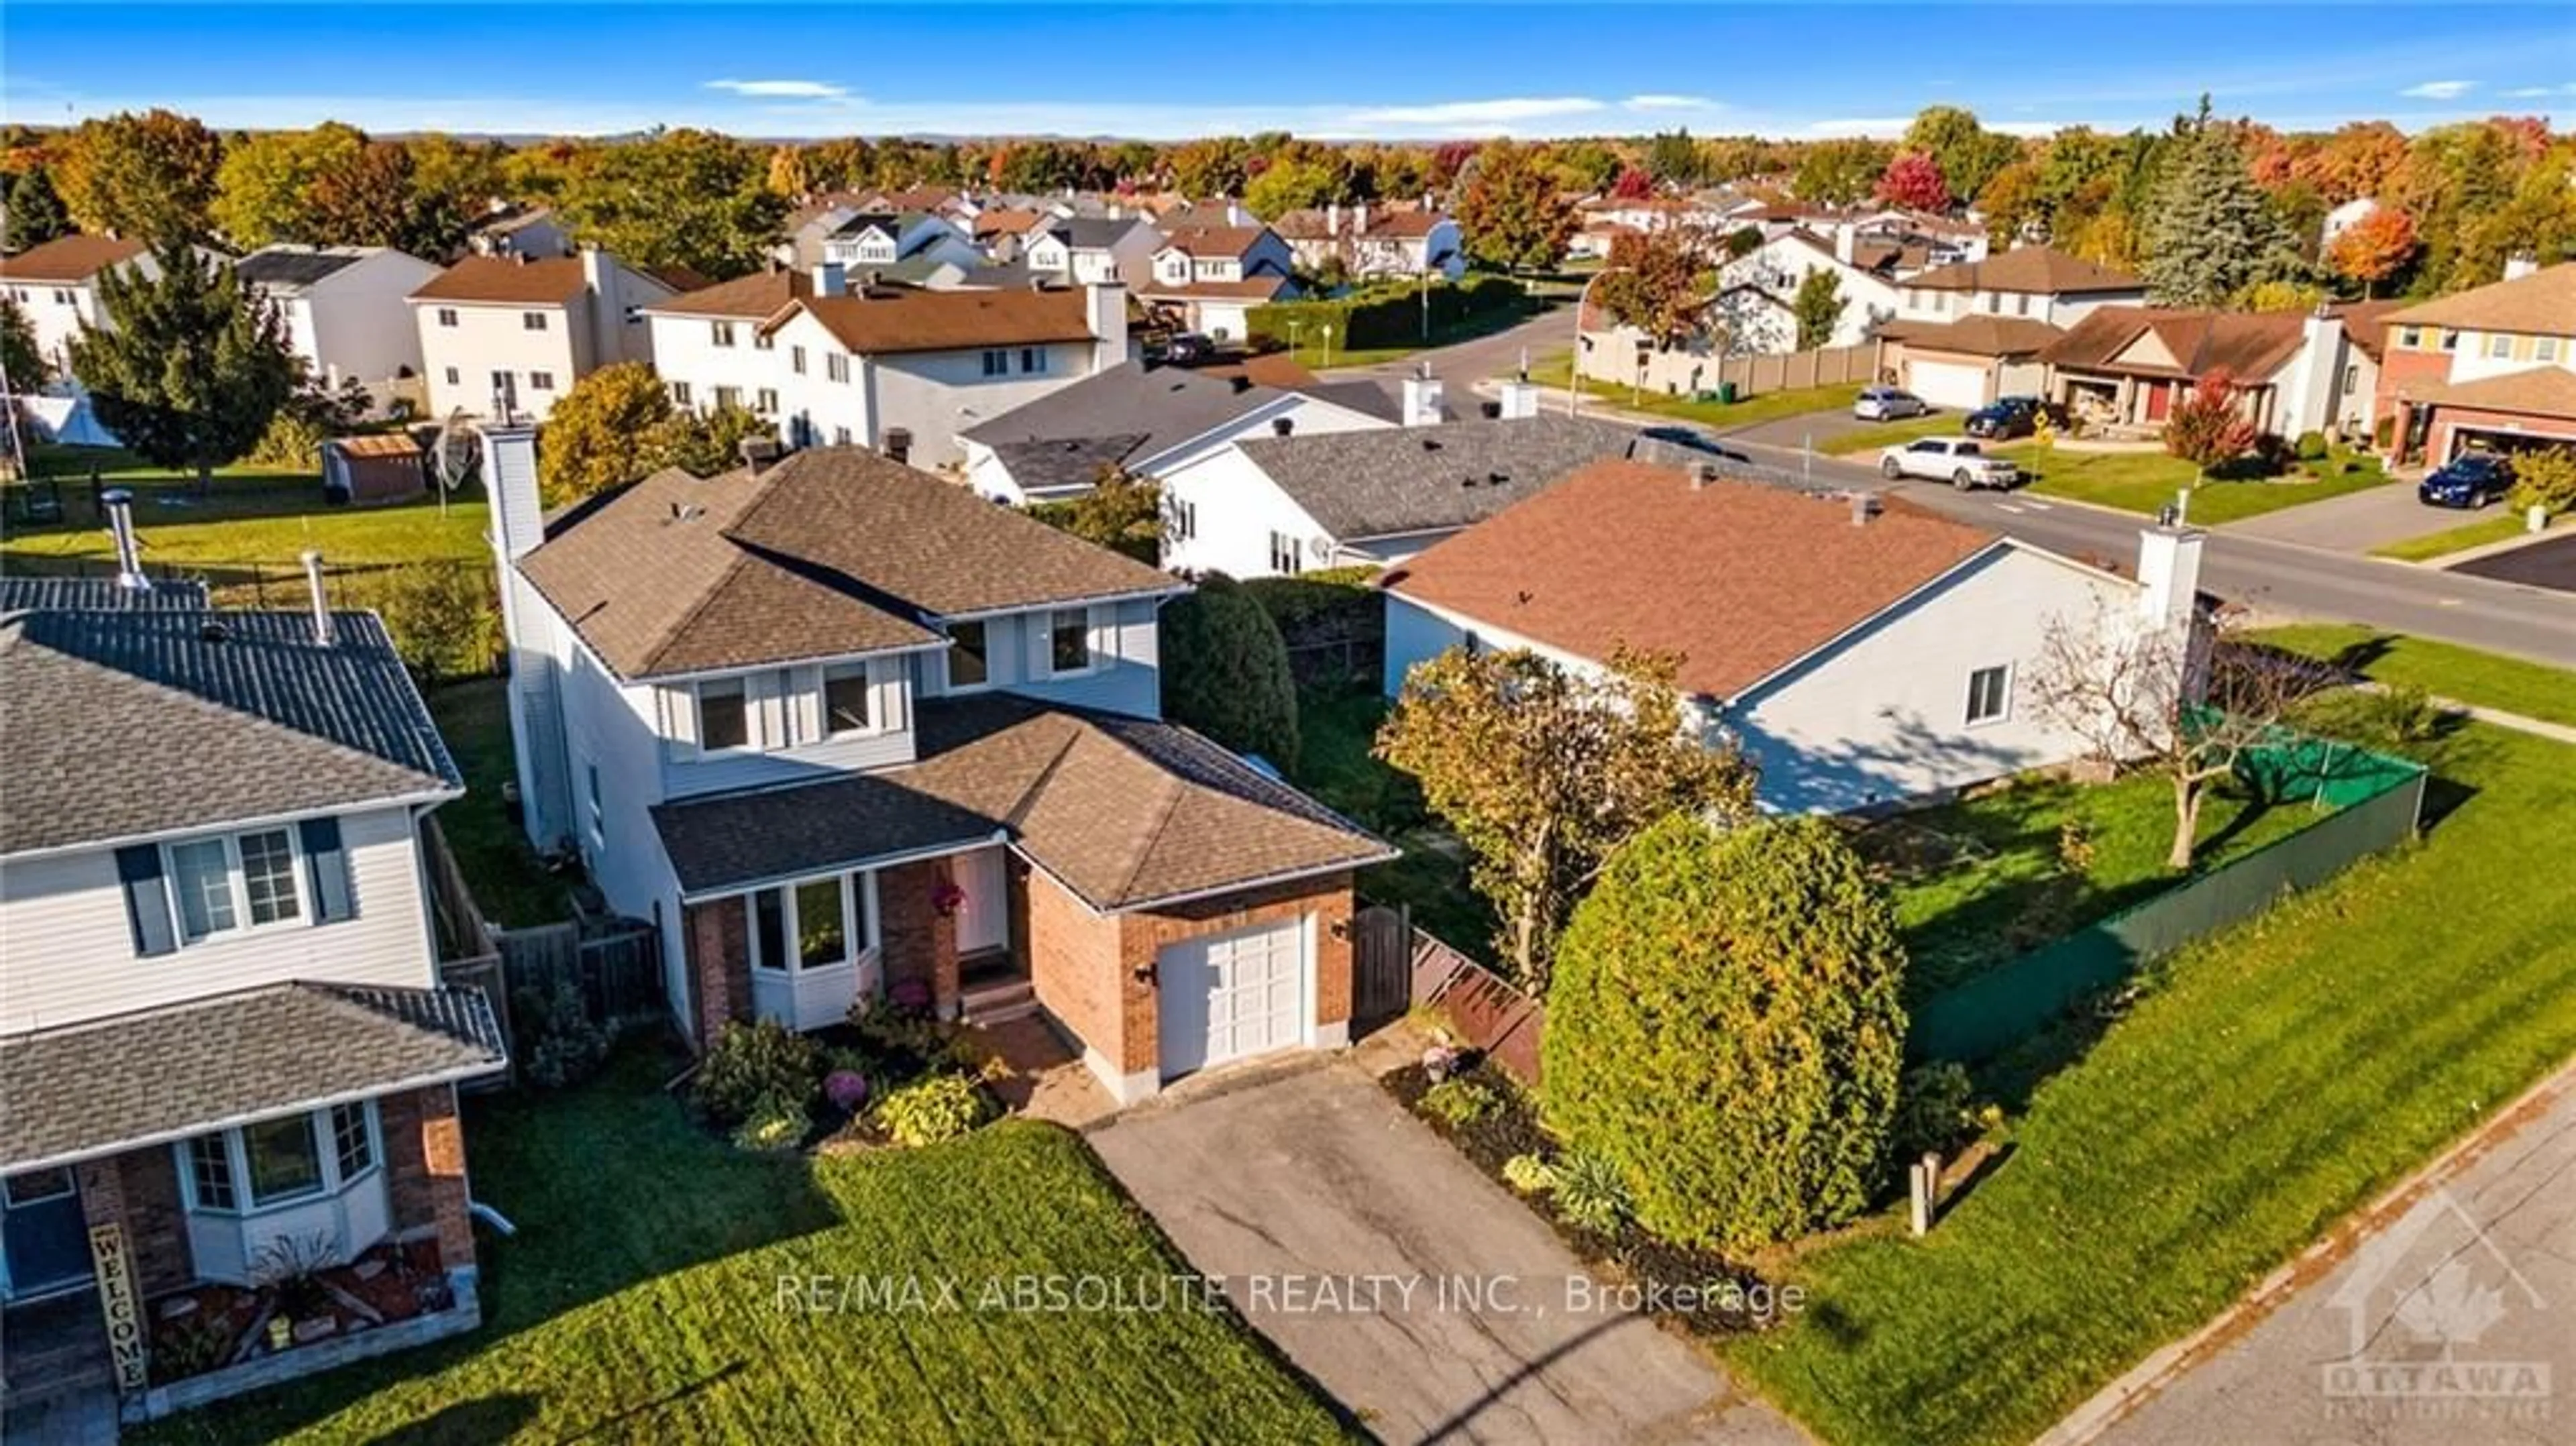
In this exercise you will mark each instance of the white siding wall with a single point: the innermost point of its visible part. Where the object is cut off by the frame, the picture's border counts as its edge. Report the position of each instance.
(1237, 507)
(361, 325)
(685, 770)
(1125, 678)
(611, 725)
(61, 310)
(935, 394)
(70, 952)
(487, 339)
(1883, 716)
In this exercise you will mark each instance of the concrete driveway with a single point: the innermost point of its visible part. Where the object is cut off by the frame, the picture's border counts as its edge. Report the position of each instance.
(2450, 1322)
(2354, 522)
(1420, 1294)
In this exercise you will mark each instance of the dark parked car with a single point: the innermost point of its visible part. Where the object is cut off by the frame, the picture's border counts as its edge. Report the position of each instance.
(2473, 479)
(2004, 417)
(1188, 349)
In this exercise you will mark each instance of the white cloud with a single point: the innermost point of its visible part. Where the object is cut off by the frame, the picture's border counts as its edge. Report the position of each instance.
(782, 89)
(2439, 90)
(1883, 127)
(2039, 129)
(1670, 102)
(2536, 92)
(1504, 111)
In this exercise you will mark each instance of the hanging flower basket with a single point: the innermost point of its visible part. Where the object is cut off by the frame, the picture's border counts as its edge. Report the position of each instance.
(947, 898)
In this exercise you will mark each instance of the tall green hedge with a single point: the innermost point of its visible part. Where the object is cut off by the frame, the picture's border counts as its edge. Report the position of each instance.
(1383, 313)
(1723, 1024)
(1225, 671)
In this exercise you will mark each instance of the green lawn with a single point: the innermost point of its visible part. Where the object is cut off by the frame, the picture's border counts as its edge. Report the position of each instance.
(2446, 670)
(255, 520)
(1552, 373)
(2498, 528)
(1976, 882)
(2144, 482)
(1335, 728)
(1310, 352)
(2270, 1080)
(511, 888)
(642, 1301)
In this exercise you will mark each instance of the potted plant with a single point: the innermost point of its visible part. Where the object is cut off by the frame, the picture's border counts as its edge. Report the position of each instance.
(947, 897)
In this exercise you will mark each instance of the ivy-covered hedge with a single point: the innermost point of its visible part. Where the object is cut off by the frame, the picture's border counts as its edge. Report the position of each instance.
(1385, 313)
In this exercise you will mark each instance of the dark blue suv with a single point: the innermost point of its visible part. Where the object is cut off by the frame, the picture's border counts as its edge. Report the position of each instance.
(2471, 480)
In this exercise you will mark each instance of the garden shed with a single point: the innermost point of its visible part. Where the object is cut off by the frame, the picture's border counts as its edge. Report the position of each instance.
(382, 467)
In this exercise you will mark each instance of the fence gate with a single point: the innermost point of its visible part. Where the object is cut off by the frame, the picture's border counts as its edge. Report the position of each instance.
(1381, 964)
(617, 970)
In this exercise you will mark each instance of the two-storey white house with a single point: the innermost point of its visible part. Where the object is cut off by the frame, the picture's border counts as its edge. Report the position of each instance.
(1972, 331)
(517, 331)
(55, 286)
(866, 239)
(899, 370)
(1370, 241)
(843, 726)
(1208, 278)
(344, 310)
(222, 1032)
(1087, 249)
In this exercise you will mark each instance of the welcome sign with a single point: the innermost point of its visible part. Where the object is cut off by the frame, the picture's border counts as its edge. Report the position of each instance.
(117, 1302)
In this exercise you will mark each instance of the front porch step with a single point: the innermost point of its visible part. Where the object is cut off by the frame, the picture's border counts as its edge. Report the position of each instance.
(1002, 999)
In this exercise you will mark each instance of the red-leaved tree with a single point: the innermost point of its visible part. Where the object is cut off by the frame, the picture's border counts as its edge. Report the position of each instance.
(2373, 248)
(1633, 185)
(1913, 180)
(2208, 427)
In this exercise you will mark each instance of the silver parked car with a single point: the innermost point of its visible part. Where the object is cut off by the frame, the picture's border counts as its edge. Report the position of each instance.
(1960, 461)
(1887, 404)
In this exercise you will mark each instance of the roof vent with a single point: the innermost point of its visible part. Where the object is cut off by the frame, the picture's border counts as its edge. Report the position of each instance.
(1497, 479)
(1863, 505)
(1431, 444)
(1241, 384)
(1282, 426)
(1702, 474)
(686, 511)
(214, 630)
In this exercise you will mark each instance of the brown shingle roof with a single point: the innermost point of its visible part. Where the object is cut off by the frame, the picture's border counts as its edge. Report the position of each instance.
(912, 321)
(835, 551)
(756, 297)
(2251, 346)
(552, 281)
(2541, 304)
(2366, 322)
(1737, 578)
(1978, 335)
(2028, 268)
(2541, 391)
(69, 258)
(1251, 288)
(1196, 241)
(1125, 812)
(1005, 221)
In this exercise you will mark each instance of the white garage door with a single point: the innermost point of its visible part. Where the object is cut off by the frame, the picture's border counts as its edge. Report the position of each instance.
(1229, 996)
(1947, 384)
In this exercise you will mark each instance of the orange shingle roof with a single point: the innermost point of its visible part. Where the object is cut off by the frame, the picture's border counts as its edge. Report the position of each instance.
(2028, 268)
(914, 321)
(554, 281)
(69, 258)
(2540, 304)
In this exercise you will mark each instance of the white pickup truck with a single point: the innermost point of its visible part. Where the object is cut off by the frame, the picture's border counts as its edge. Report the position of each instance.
(1960, 461)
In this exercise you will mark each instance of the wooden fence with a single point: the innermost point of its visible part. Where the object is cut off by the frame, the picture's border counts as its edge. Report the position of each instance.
(1486, 1011)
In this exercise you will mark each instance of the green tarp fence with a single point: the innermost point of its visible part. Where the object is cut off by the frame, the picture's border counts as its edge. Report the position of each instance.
(2376, 801)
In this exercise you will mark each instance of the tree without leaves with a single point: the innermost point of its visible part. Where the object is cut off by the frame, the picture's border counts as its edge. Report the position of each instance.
(1511, 213)
(1543, 773)
(188, 371)
(682, 198)
(146, 177)
(2164, 701)
(1725, 1028)
(36, 213)
(1656, 281)
(2208, 426)
(1913, 180)
(2374, 248)
(1818, 307)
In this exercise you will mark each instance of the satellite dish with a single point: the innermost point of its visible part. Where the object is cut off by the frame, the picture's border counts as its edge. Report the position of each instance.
(454, 455)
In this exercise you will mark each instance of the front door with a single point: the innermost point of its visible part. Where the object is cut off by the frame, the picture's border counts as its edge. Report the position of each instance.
(2159, 401)
(984, 914)
(43, 1233)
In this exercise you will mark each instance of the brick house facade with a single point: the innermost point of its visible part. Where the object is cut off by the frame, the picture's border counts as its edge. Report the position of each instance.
(2493, 367)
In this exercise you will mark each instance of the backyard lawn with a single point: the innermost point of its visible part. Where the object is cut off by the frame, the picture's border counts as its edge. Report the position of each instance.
(641, 1300)
(2268, 1081)
(1976, 882)
(1335, 728)
(1310, 352)
(2445, 670)
(2143, 482)
(1552, 372)
(511, 888)
(254, 518)
(2503, 525)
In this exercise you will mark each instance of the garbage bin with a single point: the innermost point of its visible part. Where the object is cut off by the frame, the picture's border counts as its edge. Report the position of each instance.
(1726, 393)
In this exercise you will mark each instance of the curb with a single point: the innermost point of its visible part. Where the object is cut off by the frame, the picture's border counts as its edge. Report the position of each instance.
(2142, 1382)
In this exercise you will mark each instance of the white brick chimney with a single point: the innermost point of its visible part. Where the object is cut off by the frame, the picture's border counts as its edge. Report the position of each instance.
(1846, 238)
(2169, 575)
(510, 481)
(1520, 399)
(1422, 400)
(600, 291)
(1104, 312)
(831, 280)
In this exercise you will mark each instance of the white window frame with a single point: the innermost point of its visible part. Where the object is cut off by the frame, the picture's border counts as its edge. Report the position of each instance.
(680, 394)
(2410, 338)
(796, 360)
(1287, 554)
(858, 894)
(2499, 346)
(1185, 519)
(1093, 656)
(237, 882)
(2003, 696)
(541, 381)
(836, 366)
(2544, 348)
(455, 378)
(1033, 361)
(868, 688)
(236, 1158)
(720, 333)
(728, 398)
(764, 401)
(698, 717)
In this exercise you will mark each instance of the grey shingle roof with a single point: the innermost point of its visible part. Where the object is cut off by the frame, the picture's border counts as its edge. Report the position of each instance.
(164, 1074)
(1161, 407)
(128, 724)
(1125, 811)
(1425, 479)
(1070, 462)
(20, 593)
(295, 267)
(1094, 232)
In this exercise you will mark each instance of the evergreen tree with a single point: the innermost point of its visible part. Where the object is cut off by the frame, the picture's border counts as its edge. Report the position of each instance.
(36, 213)
(2211, 233)
(188, 371)
(1818, 307)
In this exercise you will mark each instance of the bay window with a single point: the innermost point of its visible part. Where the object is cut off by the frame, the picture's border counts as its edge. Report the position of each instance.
(814, 924)
(282, 1161)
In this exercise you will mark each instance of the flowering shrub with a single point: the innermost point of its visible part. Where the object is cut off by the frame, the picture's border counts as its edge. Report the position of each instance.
(846, 1089)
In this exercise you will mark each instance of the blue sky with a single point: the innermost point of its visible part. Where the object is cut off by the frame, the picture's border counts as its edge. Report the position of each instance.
(1177, 70)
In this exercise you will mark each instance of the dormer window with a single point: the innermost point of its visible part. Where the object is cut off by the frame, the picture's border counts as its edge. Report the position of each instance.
(845, 700)
(724, 715)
